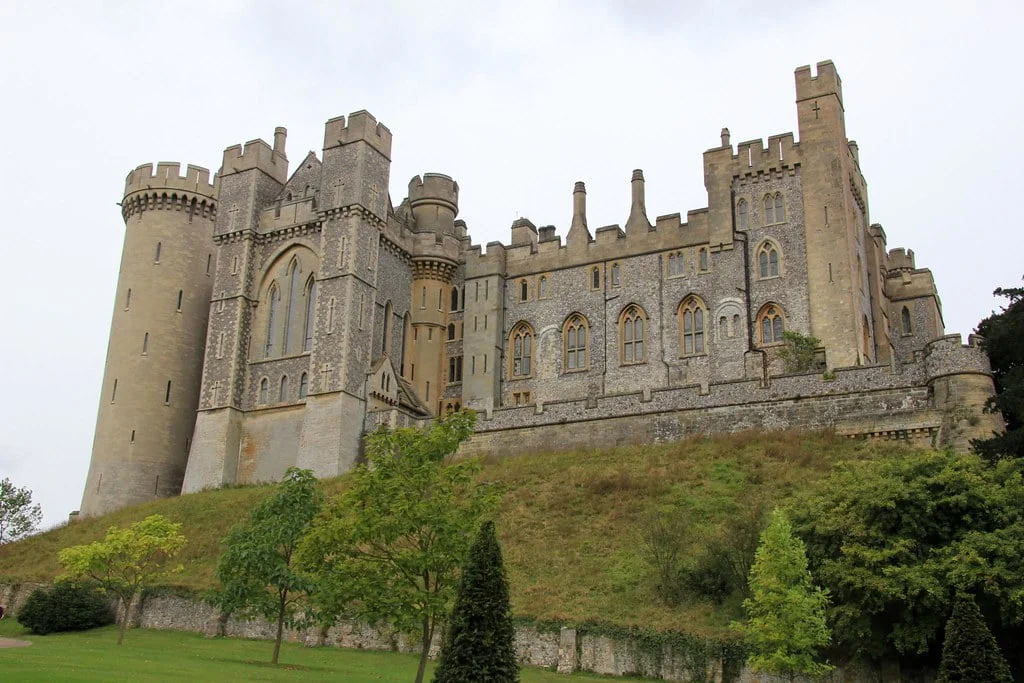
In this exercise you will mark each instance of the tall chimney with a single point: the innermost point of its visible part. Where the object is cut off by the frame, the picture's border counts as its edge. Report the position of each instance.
(280, 135)
(578, 229)
(637, 222)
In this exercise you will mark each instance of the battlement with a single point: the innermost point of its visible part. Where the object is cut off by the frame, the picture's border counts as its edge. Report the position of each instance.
(948, 355)
(479, 263)
(168, 176)
(825, 82)
(434, 188)
(901, 259)
(361, 126)
(257, 154)
(754, 157)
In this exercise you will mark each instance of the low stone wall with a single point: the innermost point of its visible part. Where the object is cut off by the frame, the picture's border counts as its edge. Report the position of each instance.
(564, 650)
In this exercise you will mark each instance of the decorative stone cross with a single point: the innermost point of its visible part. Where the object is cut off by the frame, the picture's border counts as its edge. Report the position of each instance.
(374, 195)
(325, 383)
(339, 187)
(216, 393)
(233, 213)
(816, 109)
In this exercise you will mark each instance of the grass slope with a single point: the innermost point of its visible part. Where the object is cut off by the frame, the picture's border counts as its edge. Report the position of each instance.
(175, 656)
(570, 523)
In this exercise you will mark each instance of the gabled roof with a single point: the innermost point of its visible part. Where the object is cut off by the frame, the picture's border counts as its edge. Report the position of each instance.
(306, 175)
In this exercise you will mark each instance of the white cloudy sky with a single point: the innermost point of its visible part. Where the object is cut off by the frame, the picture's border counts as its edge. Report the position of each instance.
(516, 101)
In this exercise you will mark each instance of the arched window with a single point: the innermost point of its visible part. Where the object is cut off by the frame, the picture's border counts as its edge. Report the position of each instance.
(273, 299)
(774, 209)
(702, 259)
(385, 346)
(772, 324)
(293, 305)
(615, 275)
(264, 389)
(307, 338)
(455, 299)
(575, 335)
(303, 385)
(283, 394)
(406, 339)
(632, 324)
(595, 278)
(524, 290)
(676, 265)
(767, 260)
(542, 287)
(692, 315)
(743, 214)
(908, 327)
(521, 343)
(451, 331)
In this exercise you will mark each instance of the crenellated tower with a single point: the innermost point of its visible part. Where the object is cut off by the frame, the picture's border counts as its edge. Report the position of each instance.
(157, 336)
(434, 200)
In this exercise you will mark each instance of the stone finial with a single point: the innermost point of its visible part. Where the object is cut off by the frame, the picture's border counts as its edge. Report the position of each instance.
(637, 221)
(578, 229)
(725, 137)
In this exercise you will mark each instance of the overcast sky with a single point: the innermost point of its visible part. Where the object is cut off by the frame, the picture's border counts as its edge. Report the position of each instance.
(515, 102)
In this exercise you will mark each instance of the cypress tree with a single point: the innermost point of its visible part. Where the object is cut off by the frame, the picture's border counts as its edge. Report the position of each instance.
(970, 653)
(479, 645)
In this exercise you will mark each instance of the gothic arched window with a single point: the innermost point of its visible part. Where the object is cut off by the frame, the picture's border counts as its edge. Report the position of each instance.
(273, 300)
(524, 290)
(542, 287)
(307, 342)
(908, 327)
(774, 209)
(264, 390)
(293, 305)
(772, 324)
(521, 343)
(692, 316)
(575, 334)
(303, 385)
(743, 214)
(632, 324)
(283, 394)
(455, 299)
(767, 260)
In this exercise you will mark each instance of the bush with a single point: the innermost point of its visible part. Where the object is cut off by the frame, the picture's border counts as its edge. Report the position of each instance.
(66, 606)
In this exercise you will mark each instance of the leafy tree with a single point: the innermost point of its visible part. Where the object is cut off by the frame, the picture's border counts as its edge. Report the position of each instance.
(786, 612)
(1002, 333)
(257, 568)
(895, 539)
(18, 516)
(65, 606)
(480, 641)
(389, 548)
(799, 353)
(126, 561)
(969, 652)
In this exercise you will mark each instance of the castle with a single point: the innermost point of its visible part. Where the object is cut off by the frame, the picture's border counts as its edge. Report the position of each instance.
(264, 320)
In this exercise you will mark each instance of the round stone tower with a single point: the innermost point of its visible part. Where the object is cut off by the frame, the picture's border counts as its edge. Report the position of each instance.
(434, 200)
(157, 339)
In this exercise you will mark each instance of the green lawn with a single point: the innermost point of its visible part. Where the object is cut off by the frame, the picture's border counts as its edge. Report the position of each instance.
(177, 656)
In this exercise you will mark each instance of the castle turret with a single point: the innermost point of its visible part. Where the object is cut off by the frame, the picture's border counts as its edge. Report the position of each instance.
(155, 355)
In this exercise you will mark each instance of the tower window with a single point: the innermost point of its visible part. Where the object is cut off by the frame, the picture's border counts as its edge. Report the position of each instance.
(542, 287)
(772, 324)
(767, 260)
(131, 439)
(595, 278)
(179, 299)
(455, 369)
(303, 385)
(282, 395)
(156, 256)
(167, 393)
(128, 299)
(702, 259)
(575, 335)
(451, 331)
(113, 392)
(145, 343)
(455, 299)
(209, 263)
(615, 275)
(524, 290)
(743, 214)
(521, 341)
(774, 209)
(631, 326)
(908, 328)
(307, 342)
(692, 317)
(264, 390)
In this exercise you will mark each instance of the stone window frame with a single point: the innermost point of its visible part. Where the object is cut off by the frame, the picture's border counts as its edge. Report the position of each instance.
(774, 205)
(675, 259)
(906, 322)
(703, 260)
(283, 389)
(742, 214)
(766, 247)
(523, 292)
(454, 370)
(303, 386)
(263, 395)
(628, 319)
(453, 332)
(616, 274)
(308, 324)
(692, 305)
(523, 331)
(775, 313)
(542, 286)
(575, 324)
(454, 303)
(287, 332)
(594, 278)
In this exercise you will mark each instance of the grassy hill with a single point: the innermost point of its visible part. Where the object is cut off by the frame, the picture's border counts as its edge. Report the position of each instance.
(571, 523)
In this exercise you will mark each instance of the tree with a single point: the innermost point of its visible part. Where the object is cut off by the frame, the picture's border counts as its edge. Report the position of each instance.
(1002, 333)
(480, 640)
(257, 568)
(18, 516)
(786, 612)
(969, 652)
(126, 561)
(390, 547)
(895, 539)
(799, 353)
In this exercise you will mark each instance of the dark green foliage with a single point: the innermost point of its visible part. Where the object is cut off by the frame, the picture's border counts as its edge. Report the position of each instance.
(895, 539)
(480, 642)
(67, 606)
(257, 570)
(1002, 333)
(799, 353)
(970, 653)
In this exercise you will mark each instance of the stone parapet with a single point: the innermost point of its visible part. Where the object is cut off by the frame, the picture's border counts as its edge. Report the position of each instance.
(949, 356)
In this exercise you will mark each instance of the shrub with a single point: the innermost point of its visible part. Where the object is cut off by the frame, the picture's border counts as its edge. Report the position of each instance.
(66, 606)
(969, 652)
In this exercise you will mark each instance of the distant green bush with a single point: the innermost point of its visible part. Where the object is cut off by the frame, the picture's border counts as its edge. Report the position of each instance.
(66, 606)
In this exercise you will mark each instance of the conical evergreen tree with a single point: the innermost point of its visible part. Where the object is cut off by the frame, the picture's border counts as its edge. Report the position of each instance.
(970, 653)
(479, 645)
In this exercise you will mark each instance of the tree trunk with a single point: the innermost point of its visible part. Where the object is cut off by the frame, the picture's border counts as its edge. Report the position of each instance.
(428, 635)
(124, 620)
(280, 625)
